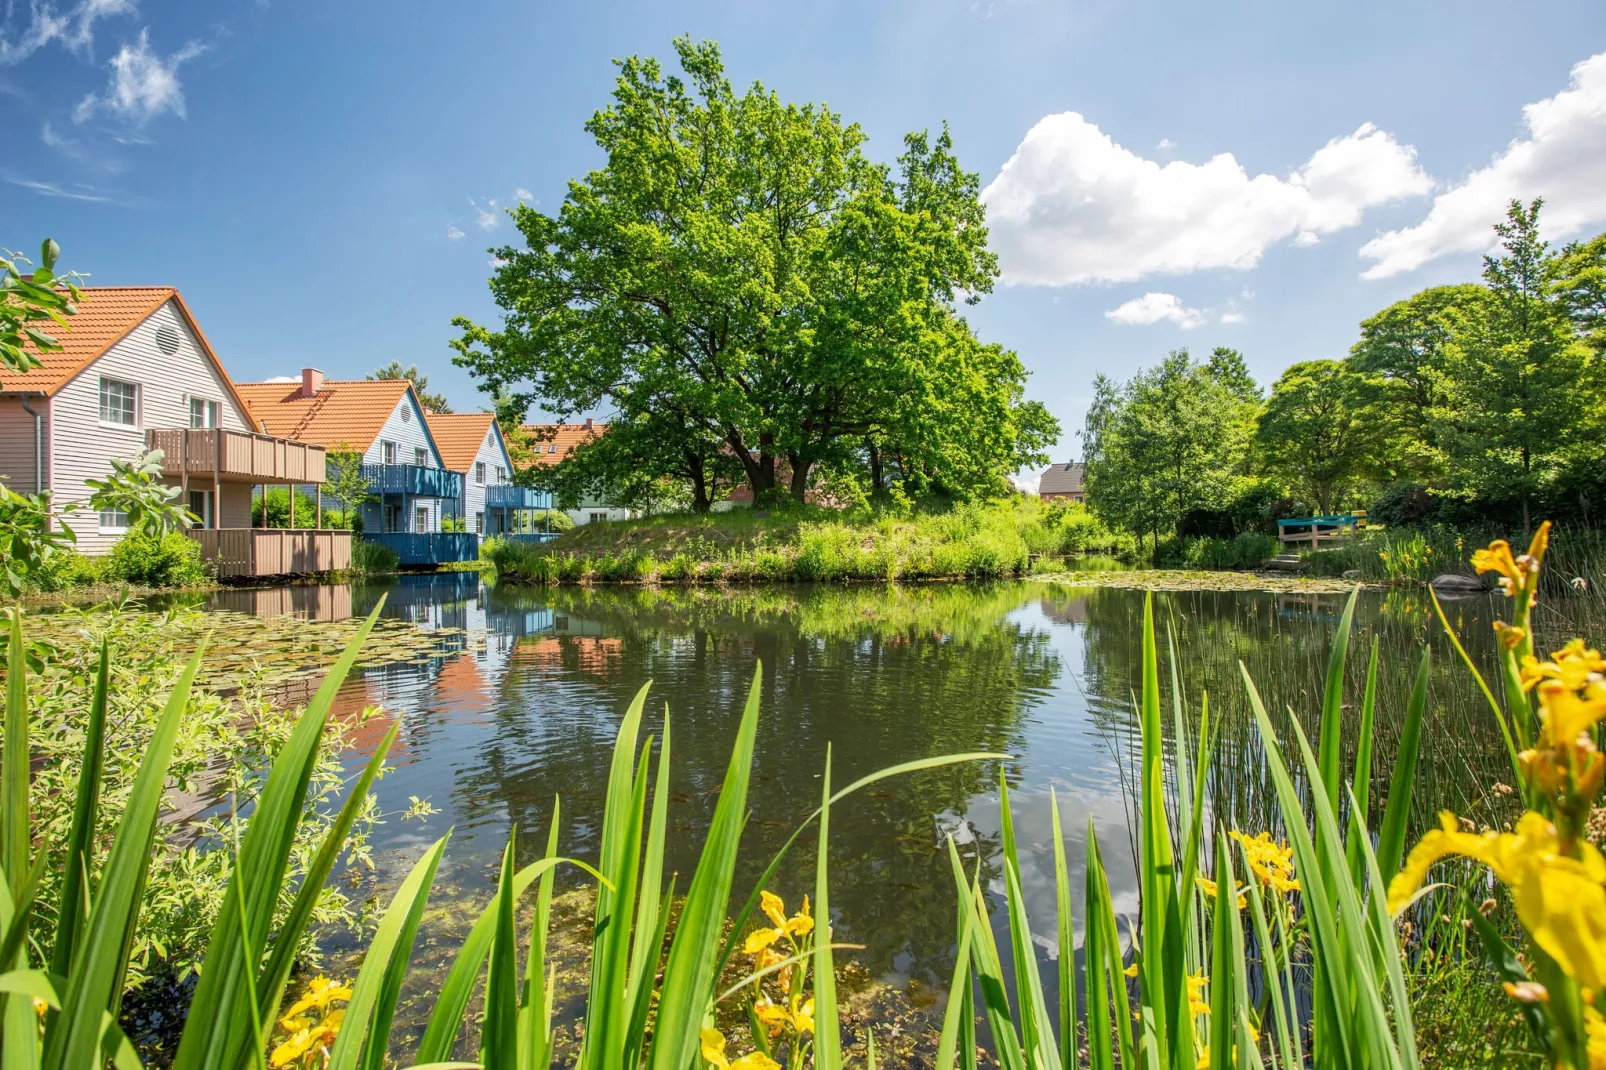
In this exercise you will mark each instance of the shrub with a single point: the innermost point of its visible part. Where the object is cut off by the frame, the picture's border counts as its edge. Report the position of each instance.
(1247, 550)
(552, 520)
(369, 557)
(173, 560)
(67, 570)
(1403, 504)
(682, 568)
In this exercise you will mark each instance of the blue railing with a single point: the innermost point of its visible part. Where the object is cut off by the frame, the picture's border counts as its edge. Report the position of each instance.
(430, 548)
(509, 496)
(413, 479)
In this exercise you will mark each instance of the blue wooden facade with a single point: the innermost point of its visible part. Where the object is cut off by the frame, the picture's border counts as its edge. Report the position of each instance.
(429, 547)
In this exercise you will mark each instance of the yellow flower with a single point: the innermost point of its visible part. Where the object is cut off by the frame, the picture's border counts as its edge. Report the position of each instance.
(1595, 1030)
(759, 939)
(1131, 971)
(1561, 901)
(1209, 888)
(714, 1053)
(319, 994)
(1497, 558)
(1196, 994)
(298, 1044)
(801, 923)
(1270, 862)
(803, 1017)
(776, 1017)
(773, 908)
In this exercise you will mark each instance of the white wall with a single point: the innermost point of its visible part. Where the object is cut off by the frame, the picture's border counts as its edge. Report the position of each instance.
(493, 454)
(81, 447)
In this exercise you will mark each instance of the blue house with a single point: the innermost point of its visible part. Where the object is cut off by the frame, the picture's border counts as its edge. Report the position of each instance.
(416, 501)
(471, 445)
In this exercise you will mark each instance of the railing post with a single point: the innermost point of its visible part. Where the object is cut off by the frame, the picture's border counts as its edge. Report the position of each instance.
(217, 482)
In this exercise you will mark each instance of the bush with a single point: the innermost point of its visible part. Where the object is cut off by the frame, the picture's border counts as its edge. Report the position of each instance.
(1248, 550)
(1403, 504)
(552, 520)
(67, 570)
(370, 557)
(682, 568)
(174, 560)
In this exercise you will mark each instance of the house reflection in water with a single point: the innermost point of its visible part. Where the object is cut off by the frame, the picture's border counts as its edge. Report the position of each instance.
(321, 602)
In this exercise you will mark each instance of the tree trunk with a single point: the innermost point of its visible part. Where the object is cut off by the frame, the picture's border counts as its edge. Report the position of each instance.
(800, 478)
(699, 483)
(875, 469)
(760, 470)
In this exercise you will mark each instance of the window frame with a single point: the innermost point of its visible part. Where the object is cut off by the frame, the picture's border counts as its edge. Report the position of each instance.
(421, 519)
(479, 473)
(133, 422)
(420, 456)
(387, 451)
(211, 413)
(479, 523)
(114, 527)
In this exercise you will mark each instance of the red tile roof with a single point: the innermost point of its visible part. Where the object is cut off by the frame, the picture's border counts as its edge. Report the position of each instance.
(346, 416)
(459, 436)
(550, 443)
(105, 316)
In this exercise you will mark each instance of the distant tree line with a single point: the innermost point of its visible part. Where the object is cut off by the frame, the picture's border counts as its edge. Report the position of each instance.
(1475, 402)
(750, 299)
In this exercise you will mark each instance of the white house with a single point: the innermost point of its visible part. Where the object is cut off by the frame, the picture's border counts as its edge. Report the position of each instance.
(380, 419)
(472, 445)
(135, 372)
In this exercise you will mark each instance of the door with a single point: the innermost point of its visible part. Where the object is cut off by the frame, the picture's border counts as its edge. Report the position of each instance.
(201, 506)
(393, 517)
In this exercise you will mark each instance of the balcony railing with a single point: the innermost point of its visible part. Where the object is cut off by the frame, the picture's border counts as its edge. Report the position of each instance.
(413, 479)
(239, 552)
(509, 496)
(430, 548)
(235, 456)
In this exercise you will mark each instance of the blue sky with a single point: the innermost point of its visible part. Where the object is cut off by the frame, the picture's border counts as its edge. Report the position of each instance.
(317, 179)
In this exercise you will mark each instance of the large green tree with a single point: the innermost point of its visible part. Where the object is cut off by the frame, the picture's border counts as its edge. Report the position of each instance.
(1171, 440)
(1323, 429)
(739, 271)
(1521, 390)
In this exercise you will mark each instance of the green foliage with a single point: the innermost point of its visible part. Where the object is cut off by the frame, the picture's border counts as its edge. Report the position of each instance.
(278, 501)
(552, 520)
(1323, 429)
(1172, 439)
(31, 543)
(345, 483)
(745, 290)
(135, 487)
(394, 370)
(1246, 550)
(171, 560)
(31, 300)
(371, 558)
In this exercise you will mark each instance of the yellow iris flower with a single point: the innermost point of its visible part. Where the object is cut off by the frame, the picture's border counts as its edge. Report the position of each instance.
(777, 1017)
(799, 924)
(319, 994)
(1560, 900)
(1208, 886)
(713, 1043)
(1270, 862)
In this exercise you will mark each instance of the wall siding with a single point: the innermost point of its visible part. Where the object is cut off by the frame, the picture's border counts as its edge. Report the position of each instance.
(493, 453)
(82, 448)
(17, 444)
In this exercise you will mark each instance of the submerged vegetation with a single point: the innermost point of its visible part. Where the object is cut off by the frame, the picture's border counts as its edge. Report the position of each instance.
(1264, 933)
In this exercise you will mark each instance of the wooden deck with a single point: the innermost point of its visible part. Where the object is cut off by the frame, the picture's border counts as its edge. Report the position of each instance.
(250, 552)
(235, 456)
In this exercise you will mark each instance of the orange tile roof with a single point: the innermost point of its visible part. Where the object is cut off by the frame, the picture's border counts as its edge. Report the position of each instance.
(459, 436)
(342, 416)
(105, 316)
(543, 437)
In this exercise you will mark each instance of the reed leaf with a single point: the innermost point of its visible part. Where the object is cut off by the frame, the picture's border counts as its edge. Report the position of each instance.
(499, 1037)
(1065, 942)
(827, 1030)
(1397, 811)
(74, 905)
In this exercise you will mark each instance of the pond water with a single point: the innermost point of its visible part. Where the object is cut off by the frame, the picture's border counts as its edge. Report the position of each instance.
(520, 702)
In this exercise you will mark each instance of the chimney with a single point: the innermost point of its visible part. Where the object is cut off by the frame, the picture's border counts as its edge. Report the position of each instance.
(588, 423)
(311, 382)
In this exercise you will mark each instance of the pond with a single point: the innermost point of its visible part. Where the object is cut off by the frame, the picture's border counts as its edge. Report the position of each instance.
(519, 701)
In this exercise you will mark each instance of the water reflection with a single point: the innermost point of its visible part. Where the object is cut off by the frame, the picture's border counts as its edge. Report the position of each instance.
(523, 703)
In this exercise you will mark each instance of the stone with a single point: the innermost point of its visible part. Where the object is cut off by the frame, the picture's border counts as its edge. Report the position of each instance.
(1458, 583)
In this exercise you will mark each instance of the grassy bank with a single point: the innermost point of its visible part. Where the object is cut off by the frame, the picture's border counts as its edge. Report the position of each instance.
(978, 541)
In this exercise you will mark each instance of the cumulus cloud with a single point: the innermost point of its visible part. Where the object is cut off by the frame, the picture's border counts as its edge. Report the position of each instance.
(1232, 317)
(1155, 307)
(74, 27)
(1072, 206)
(1166, 143)
(523, 194)
(143, 84)
(1561, 158)
(453, 233)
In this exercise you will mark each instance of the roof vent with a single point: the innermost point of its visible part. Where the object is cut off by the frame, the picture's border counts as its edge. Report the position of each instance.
(407, 414)
(167, 339)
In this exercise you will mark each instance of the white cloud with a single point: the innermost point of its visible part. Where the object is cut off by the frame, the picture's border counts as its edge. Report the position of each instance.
(453, 233)
(1154, 307)
(1562, 159)
(1073, 206)
(143, 84)
(523, 194)
(1232, 317)
(485, 213)
(74, 27)
(52, 189)
(1027, 482)
(1166, 143)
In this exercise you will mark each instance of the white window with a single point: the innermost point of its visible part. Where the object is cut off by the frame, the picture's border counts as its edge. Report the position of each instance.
(501, 474)
(113, 520)
(201, 508)
(479, 472)
(119, 403)
(388, 451)
(597, 518)
(479, 523)
(552, 448)
(421, 518)
(420, 456)
(203, 413)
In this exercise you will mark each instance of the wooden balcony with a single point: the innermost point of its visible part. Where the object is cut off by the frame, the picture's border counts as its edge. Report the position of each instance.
(235, 456)
(237, 552)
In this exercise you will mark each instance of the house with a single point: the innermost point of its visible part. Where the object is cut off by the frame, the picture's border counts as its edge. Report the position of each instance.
(136, 372)
(551, 443)
(382, 421)
(1064, 483)
(472, 445)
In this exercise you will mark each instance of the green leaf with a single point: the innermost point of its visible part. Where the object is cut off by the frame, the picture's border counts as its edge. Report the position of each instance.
(81, 836)
(1397, 811)
(827, 1031)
